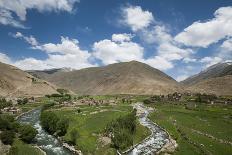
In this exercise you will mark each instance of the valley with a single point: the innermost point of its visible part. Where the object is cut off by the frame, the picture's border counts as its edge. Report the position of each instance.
(124, 108)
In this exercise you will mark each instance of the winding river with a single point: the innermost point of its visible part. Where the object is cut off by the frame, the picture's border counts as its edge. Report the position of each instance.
(158, 136)
(47, 142)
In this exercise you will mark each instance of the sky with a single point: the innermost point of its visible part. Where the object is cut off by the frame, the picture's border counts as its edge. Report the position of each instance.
(181, 38)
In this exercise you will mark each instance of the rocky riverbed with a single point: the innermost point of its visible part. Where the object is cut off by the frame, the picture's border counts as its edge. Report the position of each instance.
(159, 140)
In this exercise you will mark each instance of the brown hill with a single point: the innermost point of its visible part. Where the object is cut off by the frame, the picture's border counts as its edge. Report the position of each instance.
(216, 79)
(15, 82)
(120, 78)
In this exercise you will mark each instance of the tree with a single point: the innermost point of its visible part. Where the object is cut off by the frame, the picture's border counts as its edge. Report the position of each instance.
(27, 133)
(7, 137)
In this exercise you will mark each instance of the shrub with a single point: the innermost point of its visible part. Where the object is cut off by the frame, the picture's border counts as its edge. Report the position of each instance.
(73, 136)
(27, 133)
(52, 123)
(7, 137)
(123, 129)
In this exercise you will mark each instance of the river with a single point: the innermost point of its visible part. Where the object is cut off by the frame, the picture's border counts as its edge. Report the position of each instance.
(158, 137)
(48, 143)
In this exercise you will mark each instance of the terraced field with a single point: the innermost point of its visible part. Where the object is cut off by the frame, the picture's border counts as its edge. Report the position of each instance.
(206, 129)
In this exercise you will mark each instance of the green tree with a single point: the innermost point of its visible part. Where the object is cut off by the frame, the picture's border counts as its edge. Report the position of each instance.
(27, 133)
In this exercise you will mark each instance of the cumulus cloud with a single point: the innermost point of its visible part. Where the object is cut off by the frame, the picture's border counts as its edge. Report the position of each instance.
(202, 34)
(209, 61)
(31, 40)
(20, 8)
(136, 18)
(121, 37)
(152, 32)
(181, 77)
(4, 58)
(119, 49)
(225, 50)
(167, 48)
(6, 18)
(159, 63)
(67, 53)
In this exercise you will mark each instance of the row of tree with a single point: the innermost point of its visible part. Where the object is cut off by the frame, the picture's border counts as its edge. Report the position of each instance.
(54, 124)
(122, 131)
(10, 129)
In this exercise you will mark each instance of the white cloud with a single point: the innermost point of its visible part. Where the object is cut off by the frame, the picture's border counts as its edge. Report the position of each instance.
(166, 48)
(136, 18)
(31, 40)
(4, 58)
(121, 37)
(159, 63)
(67, 53)
(6, 18)
(156, 34)
(112, 51)
(32, 64)
(202, 34)
(20, 8)
(181, 77)
(209, 61)
(226, 50)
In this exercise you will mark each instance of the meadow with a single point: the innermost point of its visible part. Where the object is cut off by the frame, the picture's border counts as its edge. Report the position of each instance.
(206, 129)
(90, 123)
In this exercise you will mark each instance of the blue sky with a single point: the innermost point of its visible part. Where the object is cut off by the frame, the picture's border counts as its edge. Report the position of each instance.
(178, 37)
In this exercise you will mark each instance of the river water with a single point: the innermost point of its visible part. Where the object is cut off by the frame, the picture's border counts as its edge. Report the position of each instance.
(47, 142)
(158, 136)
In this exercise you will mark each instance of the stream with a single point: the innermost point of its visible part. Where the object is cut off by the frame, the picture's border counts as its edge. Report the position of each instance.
(158, 137)
(48, 143)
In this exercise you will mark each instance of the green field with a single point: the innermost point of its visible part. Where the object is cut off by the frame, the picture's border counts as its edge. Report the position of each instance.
(91, 122)
(189, 127)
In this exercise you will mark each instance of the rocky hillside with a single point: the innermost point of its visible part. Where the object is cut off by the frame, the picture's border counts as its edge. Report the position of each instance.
(120, 78)
(15, 82)
(216, 79)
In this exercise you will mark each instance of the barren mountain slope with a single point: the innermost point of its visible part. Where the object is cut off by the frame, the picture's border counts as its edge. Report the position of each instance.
(15, 82)
(216, 79)
(120, 78)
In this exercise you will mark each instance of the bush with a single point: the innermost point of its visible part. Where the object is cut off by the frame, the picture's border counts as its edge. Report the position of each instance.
(52, 123)
(123, 130)
(6, 122)
(27, 133)
(122, 139)
(7, 137)
(22, 101)
(4, 103)
(62, 126)
(73, 136)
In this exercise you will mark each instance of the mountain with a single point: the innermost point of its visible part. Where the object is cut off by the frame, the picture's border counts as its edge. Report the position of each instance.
(120, 78)
(15, 82)
(216, 79)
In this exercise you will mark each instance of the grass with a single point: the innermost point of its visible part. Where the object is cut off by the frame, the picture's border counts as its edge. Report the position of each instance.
(91, 122)
(20, 148)
(211, 119)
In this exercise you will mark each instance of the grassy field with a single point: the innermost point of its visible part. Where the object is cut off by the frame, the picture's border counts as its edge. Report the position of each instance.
(204, 129)
(91, 122)
(20, 148)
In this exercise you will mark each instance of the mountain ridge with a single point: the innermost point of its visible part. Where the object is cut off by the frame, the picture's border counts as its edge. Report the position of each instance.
(120, 78)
